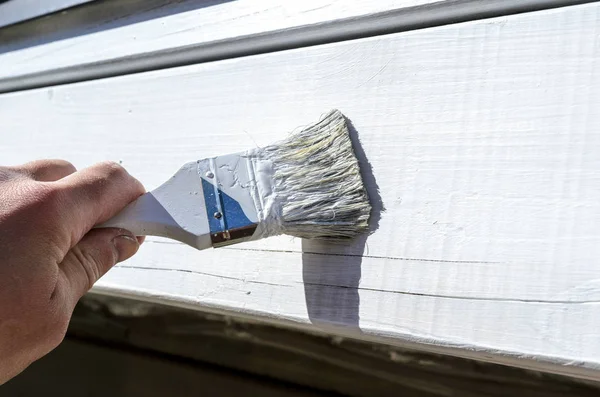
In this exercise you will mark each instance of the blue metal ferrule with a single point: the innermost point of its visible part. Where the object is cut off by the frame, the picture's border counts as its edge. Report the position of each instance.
(226, 218)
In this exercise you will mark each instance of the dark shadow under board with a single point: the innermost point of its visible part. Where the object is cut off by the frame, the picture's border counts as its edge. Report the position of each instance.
(79, 368)
(320, 362)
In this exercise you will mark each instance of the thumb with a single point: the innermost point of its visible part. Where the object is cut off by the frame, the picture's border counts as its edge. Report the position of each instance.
(93, 256)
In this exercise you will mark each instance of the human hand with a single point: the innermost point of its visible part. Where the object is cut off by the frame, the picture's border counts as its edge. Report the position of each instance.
(49, 256)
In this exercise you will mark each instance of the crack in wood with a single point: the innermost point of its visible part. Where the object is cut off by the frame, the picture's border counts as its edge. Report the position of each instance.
(454, 297)
(337, 254)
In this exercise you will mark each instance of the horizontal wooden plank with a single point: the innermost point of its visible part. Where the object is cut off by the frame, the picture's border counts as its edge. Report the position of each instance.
(124, 28)
(118, 37)
(483, 141)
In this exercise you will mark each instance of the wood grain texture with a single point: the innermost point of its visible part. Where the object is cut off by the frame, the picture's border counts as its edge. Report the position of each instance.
(166, 24)
(483, 139)
(134, 36)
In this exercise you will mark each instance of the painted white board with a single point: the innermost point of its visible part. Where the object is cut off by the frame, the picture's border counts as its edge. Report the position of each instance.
(185, 24)
(484, 140)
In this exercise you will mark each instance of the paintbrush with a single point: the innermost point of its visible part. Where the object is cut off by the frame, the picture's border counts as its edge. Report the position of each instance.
(308, 185)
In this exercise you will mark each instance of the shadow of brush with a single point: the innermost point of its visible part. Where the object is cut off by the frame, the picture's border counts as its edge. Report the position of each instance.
(331, 269)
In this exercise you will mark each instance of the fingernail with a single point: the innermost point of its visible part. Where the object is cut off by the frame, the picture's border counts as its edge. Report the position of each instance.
(126, 246)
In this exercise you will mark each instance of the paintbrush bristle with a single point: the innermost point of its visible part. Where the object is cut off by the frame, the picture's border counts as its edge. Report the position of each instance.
(318, 183)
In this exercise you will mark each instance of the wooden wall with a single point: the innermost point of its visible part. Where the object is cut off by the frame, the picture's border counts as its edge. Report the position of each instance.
(480, 139)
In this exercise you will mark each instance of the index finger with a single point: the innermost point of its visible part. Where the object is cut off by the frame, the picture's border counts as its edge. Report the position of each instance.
(97, 193)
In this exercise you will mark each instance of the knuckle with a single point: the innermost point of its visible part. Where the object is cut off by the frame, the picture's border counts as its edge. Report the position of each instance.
(112, 169)
(65, 165)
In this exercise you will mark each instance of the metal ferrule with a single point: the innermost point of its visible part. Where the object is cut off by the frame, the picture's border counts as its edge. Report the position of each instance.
(226, 186)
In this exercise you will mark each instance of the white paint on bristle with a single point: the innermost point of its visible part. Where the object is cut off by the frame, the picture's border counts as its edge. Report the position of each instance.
(309, 185)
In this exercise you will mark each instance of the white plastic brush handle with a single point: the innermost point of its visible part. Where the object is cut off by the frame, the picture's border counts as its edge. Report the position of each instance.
(207, 203)
(147, 217)
(174, 210)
